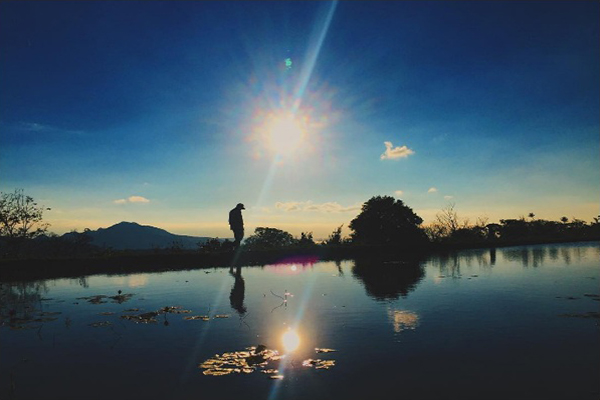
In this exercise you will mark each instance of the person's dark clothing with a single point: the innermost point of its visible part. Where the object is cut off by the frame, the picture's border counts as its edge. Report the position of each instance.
(235, 219)
(236, 224)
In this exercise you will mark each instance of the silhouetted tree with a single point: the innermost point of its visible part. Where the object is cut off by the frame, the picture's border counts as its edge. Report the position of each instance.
(445, 225)
(335, 239)
(210, 245)
(269, 238)
(21, 219)
(21, 216)
(306, 239)
(514, 228)
(385, 220)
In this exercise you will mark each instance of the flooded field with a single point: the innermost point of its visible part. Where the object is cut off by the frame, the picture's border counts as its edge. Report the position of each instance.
(518, 322)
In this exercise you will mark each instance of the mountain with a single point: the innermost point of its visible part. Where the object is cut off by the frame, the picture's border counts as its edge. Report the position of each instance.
(133, 236)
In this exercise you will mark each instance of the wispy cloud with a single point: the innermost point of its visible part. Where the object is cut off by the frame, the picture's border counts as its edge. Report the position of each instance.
(392, 153)
(448, 197)
(34, 127)
(43, 128)
(398, 193)
(132, 199)
(432, 190)
(329, 207)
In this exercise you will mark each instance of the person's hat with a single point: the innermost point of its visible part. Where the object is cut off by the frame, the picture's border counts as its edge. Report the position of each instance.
(240, 206)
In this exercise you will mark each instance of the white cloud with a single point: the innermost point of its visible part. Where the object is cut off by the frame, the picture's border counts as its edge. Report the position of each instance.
(132, 199)
(448, 197)
(398, 193)
(392, 152)
(329, 207)
(432, 190)
(138, 199)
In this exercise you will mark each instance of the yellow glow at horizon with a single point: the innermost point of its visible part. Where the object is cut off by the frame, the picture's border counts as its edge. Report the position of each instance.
(285, 133)
(291, 340)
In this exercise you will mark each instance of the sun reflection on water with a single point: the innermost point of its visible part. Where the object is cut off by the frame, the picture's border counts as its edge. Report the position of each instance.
(290, 340)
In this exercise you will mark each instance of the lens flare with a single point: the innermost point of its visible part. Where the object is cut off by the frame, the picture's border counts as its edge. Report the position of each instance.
(284, 133)
(290, 340)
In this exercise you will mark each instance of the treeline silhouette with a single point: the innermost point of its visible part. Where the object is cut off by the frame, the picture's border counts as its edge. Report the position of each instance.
(384, 225)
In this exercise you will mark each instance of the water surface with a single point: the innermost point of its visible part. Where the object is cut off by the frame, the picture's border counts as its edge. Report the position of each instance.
(518, 322)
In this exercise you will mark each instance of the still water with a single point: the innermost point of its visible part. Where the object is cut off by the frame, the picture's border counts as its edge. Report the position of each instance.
(518, 323)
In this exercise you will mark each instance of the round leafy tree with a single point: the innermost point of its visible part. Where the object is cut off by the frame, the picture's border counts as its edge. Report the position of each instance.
(385, 220)
(269, 238)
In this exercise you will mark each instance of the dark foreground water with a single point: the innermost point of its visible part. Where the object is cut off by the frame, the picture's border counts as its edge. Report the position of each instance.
(515, 323)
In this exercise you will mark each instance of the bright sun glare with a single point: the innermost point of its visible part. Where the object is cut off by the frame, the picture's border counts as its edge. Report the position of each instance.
(285, 134)
(290, 340)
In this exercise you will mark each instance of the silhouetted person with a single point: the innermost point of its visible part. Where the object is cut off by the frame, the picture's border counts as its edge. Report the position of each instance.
(236, 297)
(236, 224)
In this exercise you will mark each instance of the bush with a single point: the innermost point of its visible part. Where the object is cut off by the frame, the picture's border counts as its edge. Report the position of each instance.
(269, 238)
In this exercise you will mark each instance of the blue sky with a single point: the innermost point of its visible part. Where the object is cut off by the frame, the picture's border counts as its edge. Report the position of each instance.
(170, 113)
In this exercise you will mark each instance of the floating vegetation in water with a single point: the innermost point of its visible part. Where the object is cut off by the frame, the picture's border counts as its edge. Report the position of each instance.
(99, 324)
(101, 298)
(269, 371)
(318, 363)
(145, 318)
(150, 317)
(106, 313)
(44, 319)
(174, 310)
(256, 359)
(197, 317)
(242, 362)
(590, 314)
(50, 313)
(98, 299)
(121, 298)
(218, 372)
(21, 327)
(322, 350)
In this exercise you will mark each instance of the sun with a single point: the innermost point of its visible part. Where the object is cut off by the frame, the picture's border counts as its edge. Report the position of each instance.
(285, 133)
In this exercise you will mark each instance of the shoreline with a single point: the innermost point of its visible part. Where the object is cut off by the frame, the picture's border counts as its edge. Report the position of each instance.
(120, 263)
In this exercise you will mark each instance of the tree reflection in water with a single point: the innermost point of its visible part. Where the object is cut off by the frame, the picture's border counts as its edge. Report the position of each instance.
(388, 280)
(20, 300)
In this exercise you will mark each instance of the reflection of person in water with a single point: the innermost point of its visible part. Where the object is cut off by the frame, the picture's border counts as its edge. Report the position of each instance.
(236, 297)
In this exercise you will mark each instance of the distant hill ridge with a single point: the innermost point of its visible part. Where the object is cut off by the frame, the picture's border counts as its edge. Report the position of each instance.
(133, 236)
